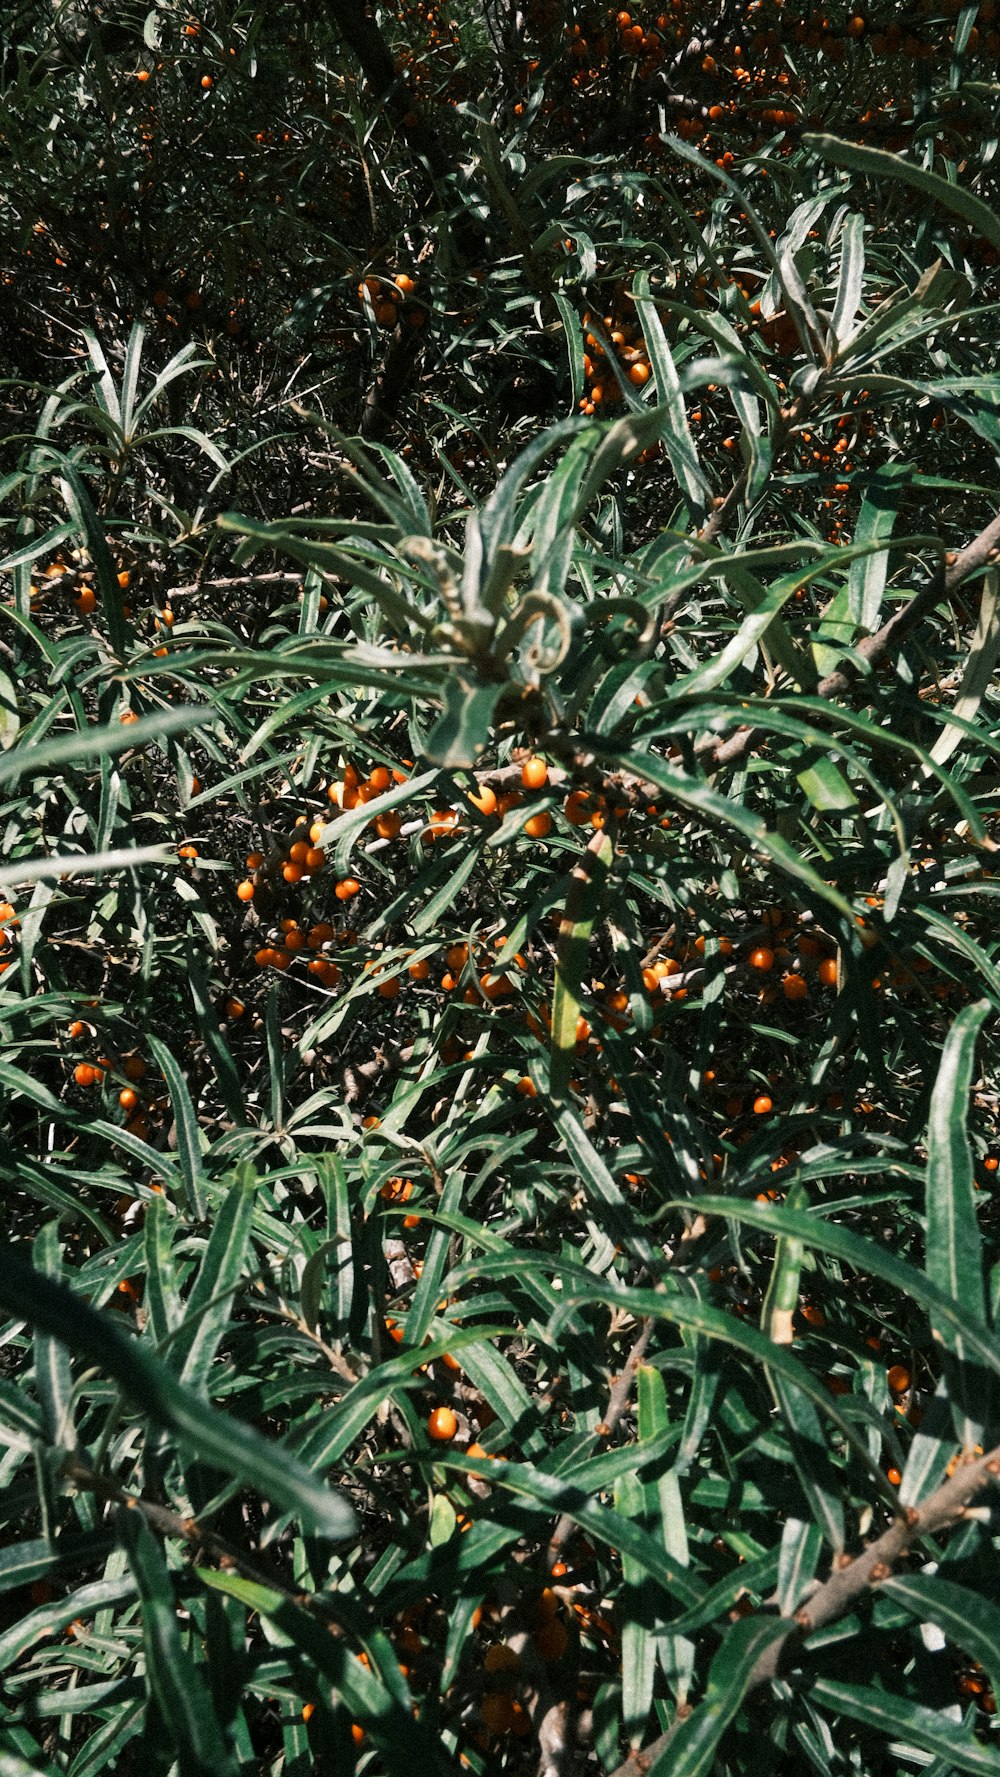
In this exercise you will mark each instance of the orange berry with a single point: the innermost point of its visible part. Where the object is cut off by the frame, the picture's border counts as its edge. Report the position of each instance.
(234, 1008)
(389, 988)
(86, 601)
(315, 858)
(898, 1378)
(639, 374)
(526, 1087)
(828, 971)
(187, 851)
(795, 987)
(485, 799)
(539, 826)
(128, 1098)
(255, 860)
(762, 958)
(419, 971)
(292, 872)
(347, 889)
(762, 1105)
(442, 1424)
(84, 1074)
(207, 82)
(245, 891)
(534, 774)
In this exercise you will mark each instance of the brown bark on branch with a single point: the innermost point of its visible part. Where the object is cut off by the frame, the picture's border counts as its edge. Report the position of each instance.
(852, 1577)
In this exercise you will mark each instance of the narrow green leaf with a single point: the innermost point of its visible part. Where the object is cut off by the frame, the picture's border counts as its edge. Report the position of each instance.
(216, 1438)
(954, 1243)
(638, 1651)
(95, 743)
(907, 1722)
(801, 1547)
(185, 1125)
(969, 1620)
(583, 899)
(211, 1298)
(173, 1678)
(882, 164)
(692, 1747)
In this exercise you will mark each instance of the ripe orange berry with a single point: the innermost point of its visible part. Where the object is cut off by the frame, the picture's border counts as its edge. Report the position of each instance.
(534, 774)
(245, 890)
(419, 971)
(380, 778)
(255, 860)
(235, 1008)
(187, 851)
(346, 890)
(128, 1098)
(761, 958)
(539, 826)
(762, 1105)
(264, 957)
(389, 988)
(577, 808)
(292, 872)
(442, 1424)
(795, 987)
(84, 1074)
(828, 971)
(898, 1378)
(315, 858)
(86, 601)
(484, 799)
(207, 82)
(639, 374)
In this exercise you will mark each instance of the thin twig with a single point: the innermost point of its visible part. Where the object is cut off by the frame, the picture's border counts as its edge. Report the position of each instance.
(852, 1576)
(618, 1400)
(981, 553)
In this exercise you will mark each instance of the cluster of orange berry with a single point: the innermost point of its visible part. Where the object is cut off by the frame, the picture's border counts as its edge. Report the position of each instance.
(380, 299)
(292, 940)
(132, 1071)
(627, 359)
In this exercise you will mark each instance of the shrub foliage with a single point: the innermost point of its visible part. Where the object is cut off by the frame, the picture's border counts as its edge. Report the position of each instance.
(498, 738)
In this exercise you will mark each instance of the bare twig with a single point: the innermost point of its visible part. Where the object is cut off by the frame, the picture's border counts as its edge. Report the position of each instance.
(981, 553)
(618, 1400)
(852, 1576)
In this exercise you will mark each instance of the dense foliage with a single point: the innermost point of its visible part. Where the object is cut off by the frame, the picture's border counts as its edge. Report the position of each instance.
(498, 738)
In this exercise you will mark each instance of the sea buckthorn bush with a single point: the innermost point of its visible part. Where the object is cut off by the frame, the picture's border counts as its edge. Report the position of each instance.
(500, 580)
